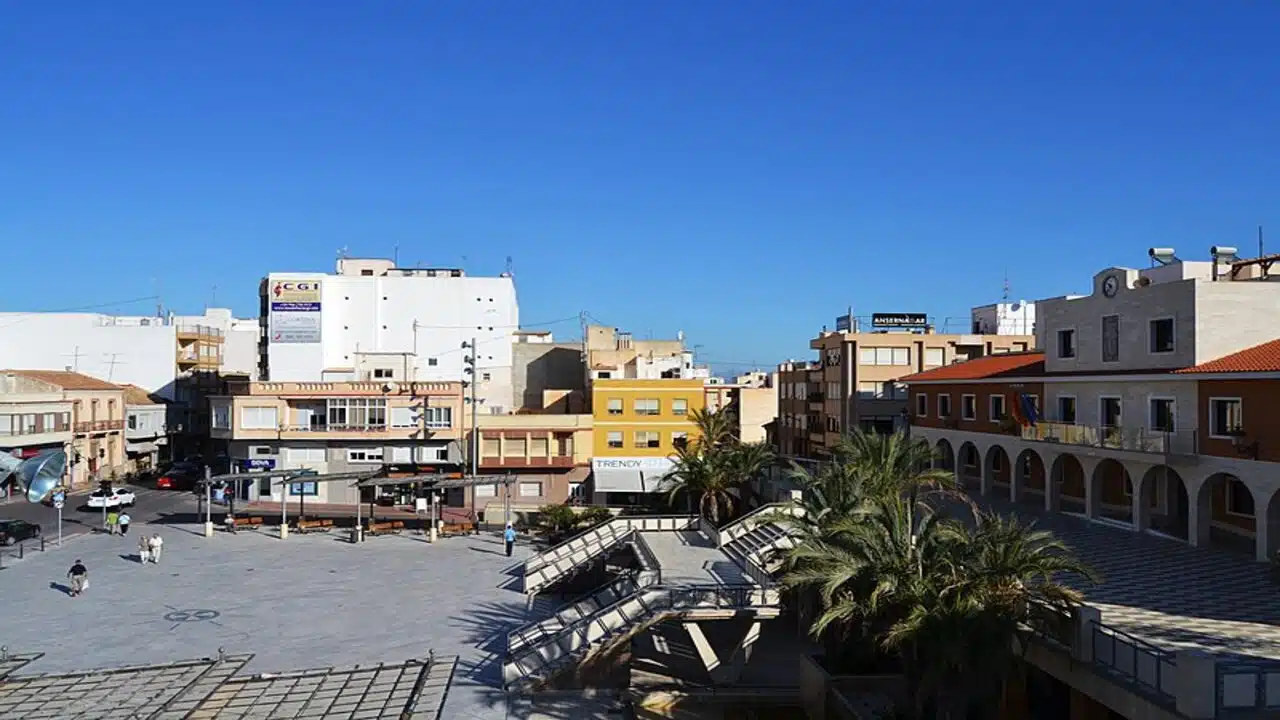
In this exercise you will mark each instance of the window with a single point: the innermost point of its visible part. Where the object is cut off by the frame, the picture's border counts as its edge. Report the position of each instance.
(1066, 343)
(304, 488)
(29, 424)
(679, 439)
(1239, 498)
(1226, 417)
(539, 447)
(944, 406)
(1109, 412)
(1067, 408)
(1161, 412)
(679, 406)
(438, 417)
(886, 390)
(258, 418)
(401, 454)
(1111, 338)
(358, 413)
(934, 357)
(995, 406)
(48, 422)
(648, 406)
(402, 417)
(997, 462)
(486, 491)
(968, 407)
(383, 373)
(432, 362)
(922, 405)
(868, 390)
(364, 455)
(433, 453)
(514, 446)
(604, 375)
(489, 447)
(577, 490)
(1161, 335)
(615, 406)
(615, 439)
(221, 417)
(484, 377)
(530, 489)
(884, 356)
(648, 439)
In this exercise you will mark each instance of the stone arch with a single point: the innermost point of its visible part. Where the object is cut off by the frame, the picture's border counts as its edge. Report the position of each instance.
(998, 470)
(1227, 515)
(1164, 493)
(969, 466)
(1111, 491)
(1067, 475)
(1028, 478)
(944, 456)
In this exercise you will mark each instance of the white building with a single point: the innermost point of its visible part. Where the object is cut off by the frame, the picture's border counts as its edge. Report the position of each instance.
(1004, 318)
(123, 350)
(240, 339)
(374, 321)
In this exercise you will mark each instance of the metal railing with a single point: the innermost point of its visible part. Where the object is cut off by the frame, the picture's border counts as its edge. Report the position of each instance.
(99, 425)
(630, 614)
(623, 524)
(1136, 439)
(1051, 623)
(751, 520)
(1137, 662)
(1247, 688)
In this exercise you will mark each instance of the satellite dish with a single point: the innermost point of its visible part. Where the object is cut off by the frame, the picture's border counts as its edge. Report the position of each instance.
(37, 476)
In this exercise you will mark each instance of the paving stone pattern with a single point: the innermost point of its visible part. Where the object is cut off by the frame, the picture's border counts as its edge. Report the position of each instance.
(309, 601)
(1168, 593)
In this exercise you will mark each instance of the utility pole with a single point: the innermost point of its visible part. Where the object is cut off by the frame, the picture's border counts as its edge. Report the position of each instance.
(112, 362)
(470, 369)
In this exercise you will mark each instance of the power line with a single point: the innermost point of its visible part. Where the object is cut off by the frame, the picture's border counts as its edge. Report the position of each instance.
(473, 328)
(27, 315)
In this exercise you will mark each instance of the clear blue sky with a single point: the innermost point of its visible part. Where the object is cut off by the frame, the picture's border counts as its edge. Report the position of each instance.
(739, 170)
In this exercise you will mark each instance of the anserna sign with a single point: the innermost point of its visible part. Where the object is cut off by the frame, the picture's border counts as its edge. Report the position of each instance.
(896, 320)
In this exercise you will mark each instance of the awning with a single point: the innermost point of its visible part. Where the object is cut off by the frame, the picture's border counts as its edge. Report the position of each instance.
(615, 480)
(145, 447)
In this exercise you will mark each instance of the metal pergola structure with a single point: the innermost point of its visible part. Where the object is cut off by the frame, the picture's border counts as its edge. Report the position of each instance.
(437, 482)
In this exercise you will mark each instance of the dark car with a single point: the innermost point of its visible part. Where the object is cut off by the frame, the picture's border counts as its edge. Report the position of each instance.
(176, 479)
(15, 531)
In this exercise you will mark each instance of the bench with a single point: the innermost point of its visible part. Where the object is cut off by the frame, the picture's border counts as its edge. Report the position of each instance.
(385, 528)
(248, 523)
(319, 525)
(457, 529)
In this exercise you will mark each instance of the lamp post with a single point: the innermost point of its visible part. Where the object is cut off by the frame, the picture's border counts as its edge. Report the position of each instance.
(208, 501)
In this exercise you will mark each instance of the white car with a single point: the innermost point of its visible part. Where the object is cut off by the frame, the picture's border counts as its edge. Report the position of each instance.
(118, 497)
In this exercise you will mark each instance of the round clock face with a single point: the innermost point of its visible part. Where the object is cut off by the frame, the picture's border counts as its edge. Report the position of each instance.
(1110, 285)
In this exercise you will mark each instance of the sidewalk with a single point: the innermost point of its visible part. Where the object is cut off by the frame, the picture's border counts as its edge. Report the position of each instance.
(328, 510)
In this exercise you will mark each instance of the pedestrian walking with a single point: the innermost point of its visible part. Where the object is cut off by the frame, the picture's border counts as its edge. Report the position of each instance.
(157, 545)
(510, 537)
(79, 575)
(124, 523)
(144, 549)
(113, 521)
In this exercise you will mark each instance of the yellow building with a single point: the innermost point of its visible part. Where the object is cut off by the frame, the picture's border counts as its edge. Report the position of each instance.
(638, 424)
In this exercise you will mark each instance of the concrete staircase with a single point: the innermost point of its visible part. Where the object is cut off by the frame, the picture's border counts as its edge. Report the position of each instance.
(577, 553)
(758, 538)
(539, 656)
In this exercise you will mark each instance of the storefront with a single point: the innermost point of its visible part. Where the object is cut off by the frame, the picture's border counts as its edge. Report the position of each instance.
(628, 482)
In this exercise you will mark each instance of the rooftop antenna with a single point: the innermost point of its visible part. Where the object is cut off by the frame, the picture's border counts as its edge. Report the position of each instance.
(342, 253)
(1260, 253)
(395, 256)
(213, 298)
(508, 270)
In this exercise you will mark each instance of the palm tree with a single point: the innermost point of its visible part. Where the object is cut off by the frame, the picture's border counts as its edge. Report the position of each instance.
(894, 462)
(701, 476)
(714, 429)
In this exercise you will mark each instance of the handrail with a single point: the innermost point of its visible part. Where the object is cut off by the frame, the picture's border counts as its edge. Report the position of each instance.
(553, 553)
(520, 637)
(741, 597)
(646, 557)
(1138, 647)
(729, 533)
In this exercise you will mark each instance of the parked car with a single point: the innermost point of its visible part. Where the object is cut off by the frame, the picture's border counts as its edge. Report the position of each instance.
(15, 531)
(177, 479)
(118, 497)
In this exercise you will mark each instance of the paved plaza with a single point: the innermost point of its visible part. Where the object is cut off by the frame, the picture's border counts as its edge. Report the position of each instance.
(312, 601)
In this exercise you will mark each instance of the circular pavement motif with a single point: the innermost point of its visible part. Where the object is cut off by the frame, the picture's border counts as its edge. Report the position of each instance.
(192, 615)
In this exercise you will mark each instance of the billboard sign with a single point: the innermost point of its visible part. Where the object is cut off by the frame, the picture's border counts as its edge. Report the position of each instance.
(844, 323)
(899, 320)
(295, 311)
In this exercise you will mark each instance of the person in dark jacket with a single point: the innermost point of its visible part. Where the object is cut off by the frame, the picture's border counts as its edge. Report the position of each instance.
(79, 576)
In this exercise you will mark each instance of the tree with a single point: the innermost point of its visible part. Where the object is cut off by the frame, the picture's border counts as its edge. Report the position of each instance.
(557, 522)
(713, 463)
(889, 571)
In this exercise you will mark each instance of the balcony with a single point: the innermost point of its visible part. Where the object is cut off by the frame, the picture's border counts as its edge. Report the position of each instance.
(344, 389)
(199, 332)
(816, 396)
(99, 426)
(1131, 439)
(335, 432)
(555, 461)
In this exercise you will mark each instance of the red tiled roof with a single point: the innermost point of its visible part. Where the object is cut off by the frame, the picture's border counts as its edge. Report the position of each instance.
(992, 366)
(66, 380)
(1259, 358)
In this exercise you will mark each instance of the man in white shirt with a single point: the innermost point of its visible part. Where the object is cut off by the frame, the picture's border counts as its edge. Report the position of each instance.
(157, 545)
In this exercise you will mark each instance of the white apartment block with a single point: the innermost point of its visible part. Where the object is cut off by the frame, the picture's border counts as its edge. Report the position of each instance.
(374, 321)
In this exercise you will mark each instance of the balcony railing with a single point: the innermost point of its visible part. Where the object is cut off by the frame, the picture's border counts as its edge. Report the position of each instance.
(536, 461)
(199, 331)
(99, 426)
(1134, 439)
